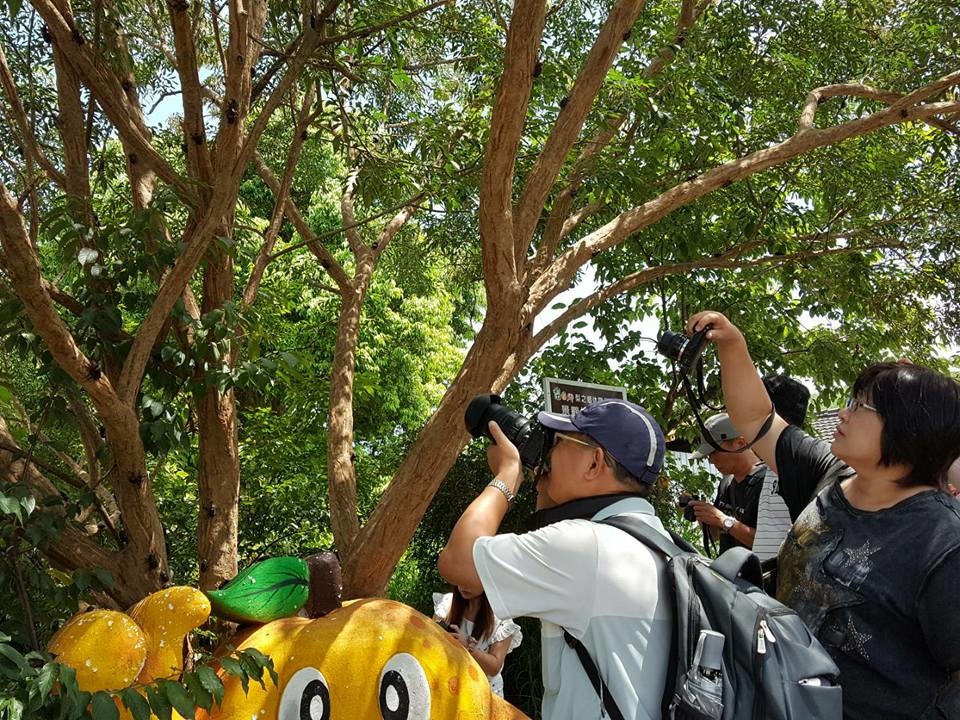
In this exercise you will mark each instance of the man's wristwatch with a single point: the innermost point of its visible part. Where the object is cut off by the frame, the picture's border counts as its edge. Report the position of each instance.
(502, 487)
(728, 523)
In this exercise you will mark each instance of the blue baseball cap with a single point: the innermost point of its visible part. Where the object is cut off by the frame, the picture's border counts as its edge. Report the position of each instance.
(626, 431)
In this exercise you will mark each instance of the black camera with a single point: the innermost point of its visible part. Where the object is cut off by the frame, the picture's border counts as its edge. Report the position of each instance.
(682, 349)
(684, 502)
(447, 626)
(532, 439)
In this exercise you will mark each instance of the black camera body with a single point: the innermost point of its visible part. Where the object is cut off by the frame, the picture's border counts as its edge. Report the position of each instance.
(532, 439)
(446, 626)
(682, 349)
(684, 502)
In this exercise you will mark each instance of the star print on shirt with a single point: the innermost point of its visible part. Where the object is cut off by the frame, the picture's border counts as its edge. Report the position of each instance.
(860, 555)
(855, 642)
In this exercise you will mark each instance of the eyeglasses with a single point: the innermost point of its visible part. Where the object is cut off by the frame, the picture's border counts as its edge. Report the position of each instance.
(558, 436)
(854, 404)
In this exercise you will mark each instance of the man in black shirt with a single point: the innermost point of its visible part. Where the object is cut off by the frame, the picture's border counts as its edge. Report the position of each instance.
(733, 514)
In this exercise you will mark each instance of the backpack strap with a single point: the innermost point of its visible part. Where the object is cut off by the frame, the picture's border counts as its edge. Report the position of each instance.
(738, 561)
(668, 547)
(590, 667)
(652, 538)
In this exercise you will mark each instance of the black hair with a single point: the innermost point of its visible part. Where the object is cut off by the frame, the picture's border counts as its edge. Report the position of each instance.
(790, 397)
(921, 418)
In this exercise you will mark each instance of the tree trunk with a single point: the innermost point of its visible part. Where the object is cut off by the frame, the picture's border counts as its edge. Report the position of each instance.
(219, 481)
(341, 473)
(385, 536)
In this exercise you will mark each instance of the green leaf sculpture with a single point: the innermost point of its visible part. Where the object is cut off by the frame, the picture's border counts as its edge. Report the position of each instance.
(267, 590)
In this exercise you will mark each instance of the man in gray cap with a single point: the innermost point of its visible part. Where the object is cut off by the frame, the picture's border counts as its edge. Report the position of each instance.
(586, 578)
(732, 516)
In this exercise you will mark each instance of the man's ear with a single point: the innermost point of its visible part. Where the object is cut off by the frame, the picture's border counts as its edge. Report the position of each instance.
(740, 442)
(595, 469)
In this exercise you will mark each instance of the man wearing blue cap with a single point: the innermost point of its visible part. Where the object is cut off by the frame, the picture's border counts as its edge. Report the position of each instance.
(603, 587)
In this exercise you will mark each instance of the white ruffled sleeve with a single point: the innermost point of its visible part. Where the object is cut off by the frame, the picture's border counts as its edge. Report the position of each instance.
(441, 604)
(507, 629)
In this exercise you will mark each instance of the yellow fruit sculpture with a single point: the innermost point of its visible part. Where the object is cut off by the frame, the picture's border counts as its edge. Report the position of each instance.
(372, 659)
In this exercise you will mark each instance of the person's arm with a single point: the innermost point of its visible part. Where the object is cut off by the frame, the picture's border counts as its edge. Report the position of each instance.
(712, 516)
(940, 622)
(483, 516)
(744, 395)
(490, 660)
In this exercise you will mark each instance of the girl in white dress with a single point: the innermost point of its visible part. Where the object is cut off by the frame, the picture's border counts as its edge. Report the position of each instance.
(486, 637)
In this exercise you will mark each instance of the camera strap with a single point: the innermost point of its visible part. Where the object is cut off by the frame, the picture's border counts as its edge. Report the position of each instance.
(706, 433)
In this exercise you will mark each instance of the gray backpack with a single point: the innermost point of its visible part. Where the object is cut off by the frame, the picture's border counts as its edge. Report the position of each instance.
(773, 668)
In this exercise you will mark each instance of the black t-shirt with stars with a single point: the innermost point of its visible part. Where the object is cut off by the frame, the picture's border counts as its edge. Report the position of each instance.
(878, 589)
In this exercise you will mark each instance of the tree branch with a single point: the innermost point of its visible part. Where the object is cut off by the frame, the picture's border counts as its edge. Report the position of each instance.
(109, 93)
(815, 97)
(194, 129)
(373, 29)
(283, 194)
(560, 223)
(561, 272)
(346, 211)
(23, 268)
(506, 128)
(310, 239)
(570, 121)
(196, 237)
(28, 140)
(728, 260)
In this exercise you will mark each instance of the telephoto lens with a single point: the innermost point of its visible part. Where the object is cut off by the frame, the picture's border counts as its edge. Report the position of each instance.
(527, 434)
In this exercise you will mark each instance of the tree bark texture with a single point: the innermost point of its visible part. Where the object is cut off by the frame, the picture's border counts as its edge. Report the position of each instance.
(219, 476)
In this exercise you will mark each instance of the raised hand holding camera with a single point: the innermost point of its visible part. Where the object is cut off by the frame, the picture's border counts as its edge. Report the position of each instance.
(503, 457)
(706, 326)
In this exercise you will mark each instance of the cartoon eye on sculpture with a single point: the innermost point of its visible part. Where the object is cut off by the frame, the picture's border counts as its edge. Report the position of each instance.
(372, 658)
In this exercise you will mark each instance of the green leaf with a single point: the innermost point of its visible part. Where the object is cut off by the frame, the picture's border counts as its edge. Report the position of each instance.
(178, 697)
(136, 704)
(87, 256)
(200, 695)
(43, 683)
(265, 591)
(234, 667)
(11, 506)
(159, 703)
(15, 659)
(103, 707)
(11, 709)
(211, 683)
(263, 661)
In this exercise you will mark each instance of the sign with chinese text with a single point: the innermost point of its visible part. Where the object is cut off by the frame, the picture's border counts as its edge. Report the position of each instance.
(568, 397)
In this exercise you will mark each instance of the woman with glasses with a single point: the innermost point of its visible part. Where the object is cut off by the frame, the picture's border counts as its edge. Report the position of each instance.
(872, 564)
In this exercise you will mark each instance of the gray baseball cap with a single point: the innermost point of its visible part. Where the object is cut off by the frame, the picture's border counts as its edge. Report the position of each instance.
(720, 428)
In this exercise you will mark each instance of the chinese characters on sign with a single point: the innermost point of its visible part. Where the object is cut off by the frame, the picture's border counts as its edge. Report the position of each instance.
(567, 397)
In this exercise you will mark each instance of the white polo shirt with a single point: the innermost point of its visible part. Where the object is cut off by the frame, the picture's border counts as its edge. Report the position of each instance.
(604, 587)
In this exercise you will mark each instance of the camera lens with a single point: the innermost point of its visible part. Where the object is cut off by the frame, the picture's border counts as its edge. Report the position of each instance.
(671, 344)
(682, 349)
(527, 434)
